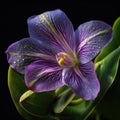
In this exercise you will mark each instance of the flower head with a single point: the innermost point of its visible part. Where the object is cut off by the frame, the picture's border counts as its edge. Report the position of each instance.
(55, 54)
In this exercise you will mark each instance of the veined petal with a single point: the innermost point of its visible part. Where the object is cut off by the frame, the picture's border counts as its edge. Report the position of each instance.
(41, 76)
(93, 36)
(83, 81)
(54, 27)
(23, 52)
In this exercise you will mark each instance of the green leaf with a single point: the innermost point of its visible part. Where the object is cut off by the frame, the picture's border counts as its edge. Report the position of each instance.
(109, 107)
(31, 106)
(107, 69)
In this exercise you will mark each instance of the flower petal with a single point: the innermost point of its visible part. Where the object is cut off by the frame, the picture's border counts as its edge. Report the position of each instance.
(41, 76)
(23, 52)
(83, 81)
(92, 36)
(54, 27)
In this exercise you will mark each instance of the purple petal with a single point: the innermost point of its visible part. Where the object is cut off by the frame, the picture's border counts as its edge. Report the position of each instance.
(42, 76)
(23, 52)
(83, 81)
(93, 36)
(53, 27)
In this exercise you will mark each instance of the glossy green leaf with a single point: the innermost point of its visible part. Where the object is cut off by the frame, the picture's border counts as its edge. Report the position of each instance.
(30, 106)
(107, 69)
(109, 107)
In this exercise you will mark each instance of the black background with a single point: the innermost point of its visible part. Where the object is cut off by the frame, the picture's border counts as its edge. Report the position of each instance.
(13, 26)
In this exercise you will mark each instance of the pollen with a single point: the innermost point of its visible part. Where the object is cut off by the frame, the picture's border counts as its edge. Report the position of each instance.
(65, 60)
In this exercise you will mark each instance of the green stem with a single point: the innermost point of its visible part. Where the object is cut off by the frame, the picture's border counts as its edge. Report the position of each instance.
(60, 90)
(63, 100)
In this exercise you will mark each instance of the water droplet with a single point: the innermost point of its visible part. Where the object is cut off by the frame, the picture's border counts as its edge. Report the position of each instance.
(14, 62)
(42, 18)
(18, 60)
(99, 47)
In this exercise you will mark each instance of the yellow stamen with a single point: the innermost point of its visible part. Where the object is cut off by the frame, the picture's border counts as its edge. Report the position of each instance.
(65, 60)
(61, 61)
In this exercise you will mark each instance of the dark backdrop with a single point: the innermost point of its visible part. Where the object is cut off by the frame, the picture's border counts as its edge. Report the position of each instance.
(13, 26)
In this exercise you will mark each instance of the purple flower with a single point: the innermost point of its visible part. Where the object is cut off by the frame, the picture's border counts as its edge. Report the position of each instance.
(55, 55)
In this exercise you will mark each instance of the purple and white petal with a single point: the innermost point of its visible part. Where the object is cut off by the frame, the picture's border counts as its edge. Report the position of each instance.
(83, 81)
(92, 37)
(53, 27)
(23, 52)
(42, 76)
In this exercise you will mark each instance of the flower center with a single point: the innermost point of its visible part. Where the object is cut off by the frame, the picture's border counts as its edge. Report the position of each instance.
(65, 60)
